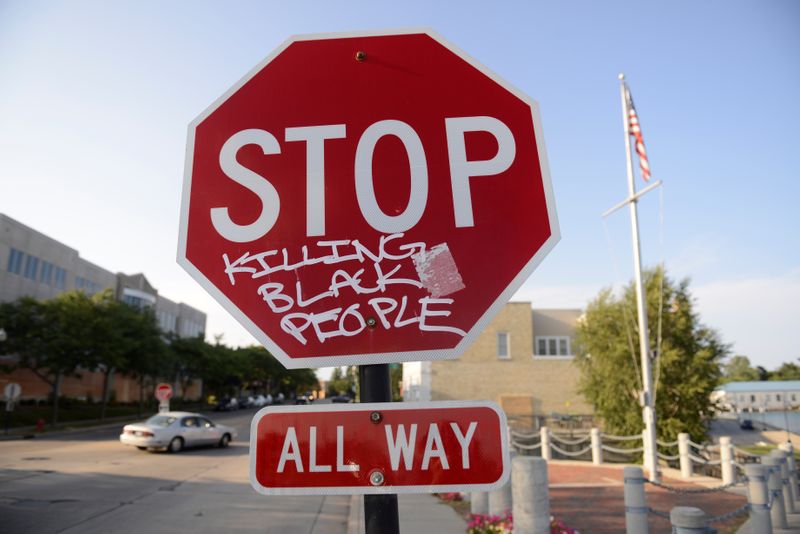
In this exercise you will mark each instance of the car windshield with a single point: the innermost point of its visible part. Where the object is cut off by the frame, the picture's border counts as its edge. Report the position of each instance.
(160, 420)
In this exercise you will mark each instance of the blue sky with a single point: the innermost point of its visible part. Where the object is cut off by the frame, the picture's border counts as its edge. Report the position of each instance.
(96, 96)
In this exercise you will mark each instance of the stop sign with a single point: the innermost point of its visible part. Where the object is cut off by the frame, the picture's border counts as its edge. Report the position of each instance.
(366, 198)
(163, 391)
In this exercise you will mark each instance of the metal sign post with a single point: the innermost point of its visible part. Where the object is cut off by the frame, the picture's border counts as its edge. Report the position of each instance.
(380, 511)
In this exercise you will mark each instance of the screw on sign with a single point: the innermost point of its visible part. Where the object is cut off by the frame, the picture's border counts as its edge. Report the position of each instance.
(367, 198)
(411, 448)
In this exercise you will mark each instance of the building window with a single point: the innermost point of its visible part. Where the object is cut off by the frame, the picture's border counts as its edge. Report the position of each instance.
(31, 267)
(46, 274)
(766, 398)
(502, 346)
(61, 277)
(553, 346)
(15, 261)
(778, 397)
(752, 398)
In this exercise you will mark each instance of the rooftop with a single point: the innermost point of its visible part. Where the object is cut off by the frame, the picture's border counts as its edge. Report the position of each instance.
(746, 387)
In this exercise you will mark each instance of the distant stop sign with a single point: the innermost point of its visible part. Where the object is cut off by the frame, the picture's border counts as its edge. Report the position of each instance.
(366, 199)
(163, 392)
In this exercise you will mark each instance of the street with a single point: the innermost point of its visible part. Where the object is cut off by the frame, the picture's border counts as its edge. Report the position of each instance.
(89, 482)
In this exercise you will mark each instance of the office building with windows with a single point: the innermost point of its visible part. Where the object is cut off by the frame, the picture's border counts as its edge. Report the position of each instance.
(36, 265)
(523, 360)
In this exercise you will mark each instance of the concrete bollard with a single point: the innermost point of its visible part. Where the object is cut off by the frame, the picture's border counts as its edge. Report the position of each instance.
(683, 453)
(500, 500)
(531, 496)
(788, 497)
(789, 448)
(544, 435)
(758, 497)
(635, 501)
(688, 520)
(726, 460)
(597, 447)
(777, 510)
(479, 503)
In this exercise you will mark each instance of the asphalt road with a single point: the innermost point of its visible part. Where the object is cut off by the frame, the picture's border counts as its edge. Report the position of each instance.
(88, 482)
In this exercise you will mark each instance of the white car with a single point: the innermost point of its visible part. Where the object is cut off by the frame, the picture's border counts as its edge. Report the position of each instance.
(176, 430)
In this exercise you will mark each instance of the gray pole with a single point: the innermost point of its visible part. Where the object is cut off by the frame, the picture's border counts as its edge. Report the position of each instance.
(635, 501)
(479, 503)
(648, 410)
(380, 511)
(788, 496)
(775, 485)
(688, 520)
(531, 497)
(758, 496)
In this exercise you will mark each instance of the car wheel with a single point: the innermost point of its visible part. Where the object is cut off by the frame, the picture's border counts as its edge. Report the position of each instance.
(175, 445)
(224, 441)
(141, 448)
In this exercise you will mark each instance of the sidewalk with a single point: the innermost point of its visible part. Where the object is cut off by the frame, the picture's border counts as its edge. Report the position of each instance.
(419, 514)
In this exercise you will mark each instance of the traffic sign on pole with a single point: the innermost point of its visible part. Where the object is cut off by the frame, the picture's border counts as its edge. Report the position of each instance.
(366, 198)
(163, 394)
(12, 391)
(379, 448)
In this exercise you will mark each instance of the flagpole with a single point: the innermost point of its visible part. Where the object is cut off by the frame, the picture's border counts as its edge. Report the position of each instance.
(648, 410)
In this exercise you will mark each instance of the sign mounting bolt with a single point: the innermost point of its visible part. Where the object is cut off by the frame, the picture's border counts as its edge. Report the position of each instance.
(371, 322)
(376, 478)
(375, 417)
(361, 55)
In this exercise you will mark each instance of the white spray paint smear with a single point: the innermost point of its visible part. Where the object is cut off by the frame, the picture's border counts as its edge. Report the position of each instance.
(437, 271)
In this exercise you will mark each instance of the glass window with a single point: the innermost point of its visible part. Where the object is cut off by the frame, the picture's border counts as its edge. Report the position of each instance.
(189, 422)
(31, 267)
(15, 261)
(766, 398)
(46, 274)
(541, 346)
(161, 420)
(752, 398)
(502, 345)
(551, 346)
(563, 346)
(777, 397)
(61, 277)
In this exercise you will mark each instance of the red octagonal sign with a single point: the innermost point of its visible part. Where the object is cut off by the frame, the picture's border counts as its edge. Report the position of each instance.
(366, 198)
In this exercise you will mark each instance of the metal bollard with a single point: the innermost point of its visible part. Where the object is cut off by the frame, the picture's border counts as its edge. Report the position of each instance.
(758, 497)
(788, 498)
(789, 448)
(531, 496)
(597, 447)
(688, 520)
(635, 501)
(646, 452)
(500, 499)
(683, 452)
(544, 434)
(777, 510)
(479, 503)
(726, 460)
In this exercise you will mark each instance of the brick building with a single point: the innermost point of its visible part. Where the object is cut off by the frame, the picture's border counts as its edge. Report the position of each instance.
(36, 265)
(523, 360)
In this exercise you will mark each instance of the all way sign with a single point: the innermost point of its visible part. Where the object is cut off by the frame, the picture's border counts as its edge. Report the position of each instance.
(379, 448)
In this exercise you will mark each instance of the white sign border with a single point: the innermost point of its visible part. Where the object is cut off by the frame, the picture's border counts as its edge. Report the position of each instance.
(380, 357)
(380, 490)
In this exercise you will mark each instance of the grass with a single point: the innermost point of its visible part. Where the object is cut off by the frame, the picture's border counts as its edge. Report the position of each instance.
(761, 449)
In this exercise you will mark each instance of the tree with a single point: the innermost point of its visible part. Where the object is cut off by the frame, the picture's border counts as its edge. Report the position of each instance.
(738, 369)
(787, 371)
(686, 369)
(50, 338)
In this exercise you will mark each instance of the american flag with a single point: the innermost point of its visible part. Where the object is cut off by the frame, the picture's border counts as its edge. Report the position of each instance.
(636, 131)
